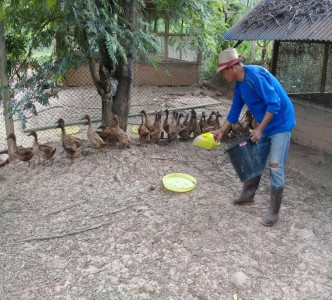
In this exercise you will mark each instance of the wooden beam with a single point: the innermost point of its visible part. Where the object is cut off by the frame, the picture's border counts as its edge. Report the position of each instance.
(274, 60)
(324, 70)
(237, 43)
(166, 38)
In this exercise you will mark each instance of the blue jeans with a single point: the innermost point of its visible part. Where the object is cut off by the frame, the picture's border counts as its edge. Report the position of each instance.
(276, 146)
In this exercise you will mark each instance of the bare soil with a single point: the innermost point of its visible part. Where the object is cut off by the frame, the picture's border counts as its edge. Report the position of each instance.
(104, 227)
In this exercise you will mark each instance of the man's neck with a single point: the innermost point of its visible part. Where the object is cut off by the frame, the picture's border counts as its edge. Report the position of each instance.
(239, 73)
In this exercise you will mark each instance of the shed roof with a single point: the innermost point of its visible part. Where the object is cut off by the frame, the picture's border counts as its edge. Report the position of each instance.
(291, 20)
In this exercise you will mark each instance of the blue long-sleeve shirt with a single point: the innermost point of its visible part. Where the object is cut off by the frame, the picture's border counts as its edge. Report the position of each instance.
(262, 92)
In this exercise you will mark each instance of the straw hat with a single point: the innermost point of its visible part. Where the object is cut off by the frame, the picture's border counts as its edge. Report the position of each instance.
(227, 58)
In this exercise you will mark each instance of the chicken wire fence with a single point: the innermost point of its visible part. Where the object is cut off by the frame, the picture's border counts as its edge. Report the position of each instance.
(305, 69)
(175, 86)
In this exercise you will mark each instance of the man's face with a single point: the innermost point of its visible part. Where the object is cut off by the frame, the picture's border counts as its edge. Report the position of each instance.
(228, 73)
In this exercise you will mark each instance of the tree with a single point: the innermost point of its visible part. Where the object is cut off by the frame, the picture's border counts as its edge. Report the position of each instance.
(109, 34)
(4, 83)
(94, 32)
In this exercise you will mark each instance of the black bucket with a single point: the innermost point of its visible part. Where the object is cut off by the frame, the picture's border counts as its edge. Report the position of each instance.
(245, 159)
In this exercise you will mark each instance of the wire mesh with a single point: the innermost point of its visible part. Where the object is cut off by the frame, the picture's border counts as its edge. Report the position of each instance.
(176, 85)
(171, 86)
(305, 69)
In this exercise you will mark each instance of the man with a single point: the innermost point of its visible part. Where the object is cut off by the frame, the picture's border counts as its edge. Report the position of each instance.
(273, 110)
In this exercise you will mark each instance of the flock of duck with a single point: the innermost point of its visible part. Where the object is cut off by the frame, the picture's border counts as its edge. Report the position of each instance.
(111, 133)
(174, 128)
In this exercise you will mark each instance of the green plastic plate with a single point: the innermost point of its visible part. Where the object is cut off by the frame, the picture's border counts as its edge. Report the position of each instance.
(179, 182)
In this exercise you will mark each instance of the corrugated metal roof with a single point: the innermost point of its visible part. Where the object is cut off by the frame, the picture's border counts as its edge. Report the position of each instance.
(285, 22)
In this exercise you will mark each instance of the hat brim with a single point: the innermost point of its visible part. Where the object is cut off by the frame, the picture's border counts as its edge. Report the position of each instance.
(228, 64)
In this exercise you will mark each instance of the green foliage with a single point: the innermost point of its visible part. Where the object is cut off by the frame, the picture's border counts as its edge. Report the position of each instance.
(85, 25)
(104, 21)
(35, 84)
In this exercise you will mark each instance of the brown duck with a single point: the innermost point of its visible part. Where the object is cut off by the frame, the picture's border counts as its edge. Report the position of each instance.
(156, 133)
(165, 123)
(143, 132)
(174, 130)
(187, 129)
(196, 127)
(70, 143)
(95, 140)
(42, 151)
(216, 123)
(120, 135)
(148, 125)
(205, 125)
(20, 153)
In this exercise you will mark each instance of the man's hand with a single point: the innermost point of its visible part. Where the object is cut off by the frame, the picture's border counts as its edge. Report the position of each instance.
(217, 134)
(256, 135)
(221, 131)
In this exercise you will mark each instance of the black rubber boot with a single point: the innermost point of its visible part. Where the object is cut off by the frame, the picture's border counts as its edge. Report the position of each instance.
(272, 216)
(248, 192)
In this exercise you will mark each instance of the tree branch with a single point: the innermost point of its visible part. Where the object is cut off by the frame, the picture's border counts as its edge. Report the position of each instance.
(50, 237)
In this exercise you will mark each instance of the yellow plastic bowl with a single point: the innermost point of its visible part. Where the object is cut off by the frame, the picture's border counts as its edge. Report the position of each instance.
(70, 129)
(206, 141)
(179, 182)
(135, 129)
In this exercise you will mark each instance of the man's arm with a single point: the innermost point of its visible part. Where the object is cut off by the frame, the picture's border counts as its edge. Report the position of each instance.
(256, 133)
(221, 131)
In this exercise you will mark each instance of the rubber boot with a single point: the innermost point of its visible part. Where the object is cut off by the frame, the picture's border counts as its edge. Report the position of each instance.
(248, 192)
(272, 216)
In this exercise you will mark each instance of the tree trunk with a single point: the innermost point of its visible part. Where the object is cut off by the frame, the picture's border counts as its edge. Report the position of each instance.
(121, 103)
(60, 43)
(4, 82)
(106, 67)
(125, 69)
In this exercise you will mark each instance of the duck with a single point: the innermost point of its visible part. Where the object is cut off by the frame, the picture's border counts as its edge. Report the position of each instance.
(120, 135)
(107, 134)
(242, 127)
(165, 123)
(42, 151)
(143, 132)
(174, 131)
(187, 129)
(70, 143)
(148, 125)
(205, 125)
(251, 121)
(20, 153)
(185, 122)
(216, 123)
(156, 133)
(196, 127)
(71, 138)
(174, 120)
(95, 140)
(210, 120)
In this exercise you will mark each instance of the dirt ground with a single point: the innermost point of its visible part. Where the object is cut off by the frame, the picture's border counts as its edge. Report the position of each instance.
(104, 227)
